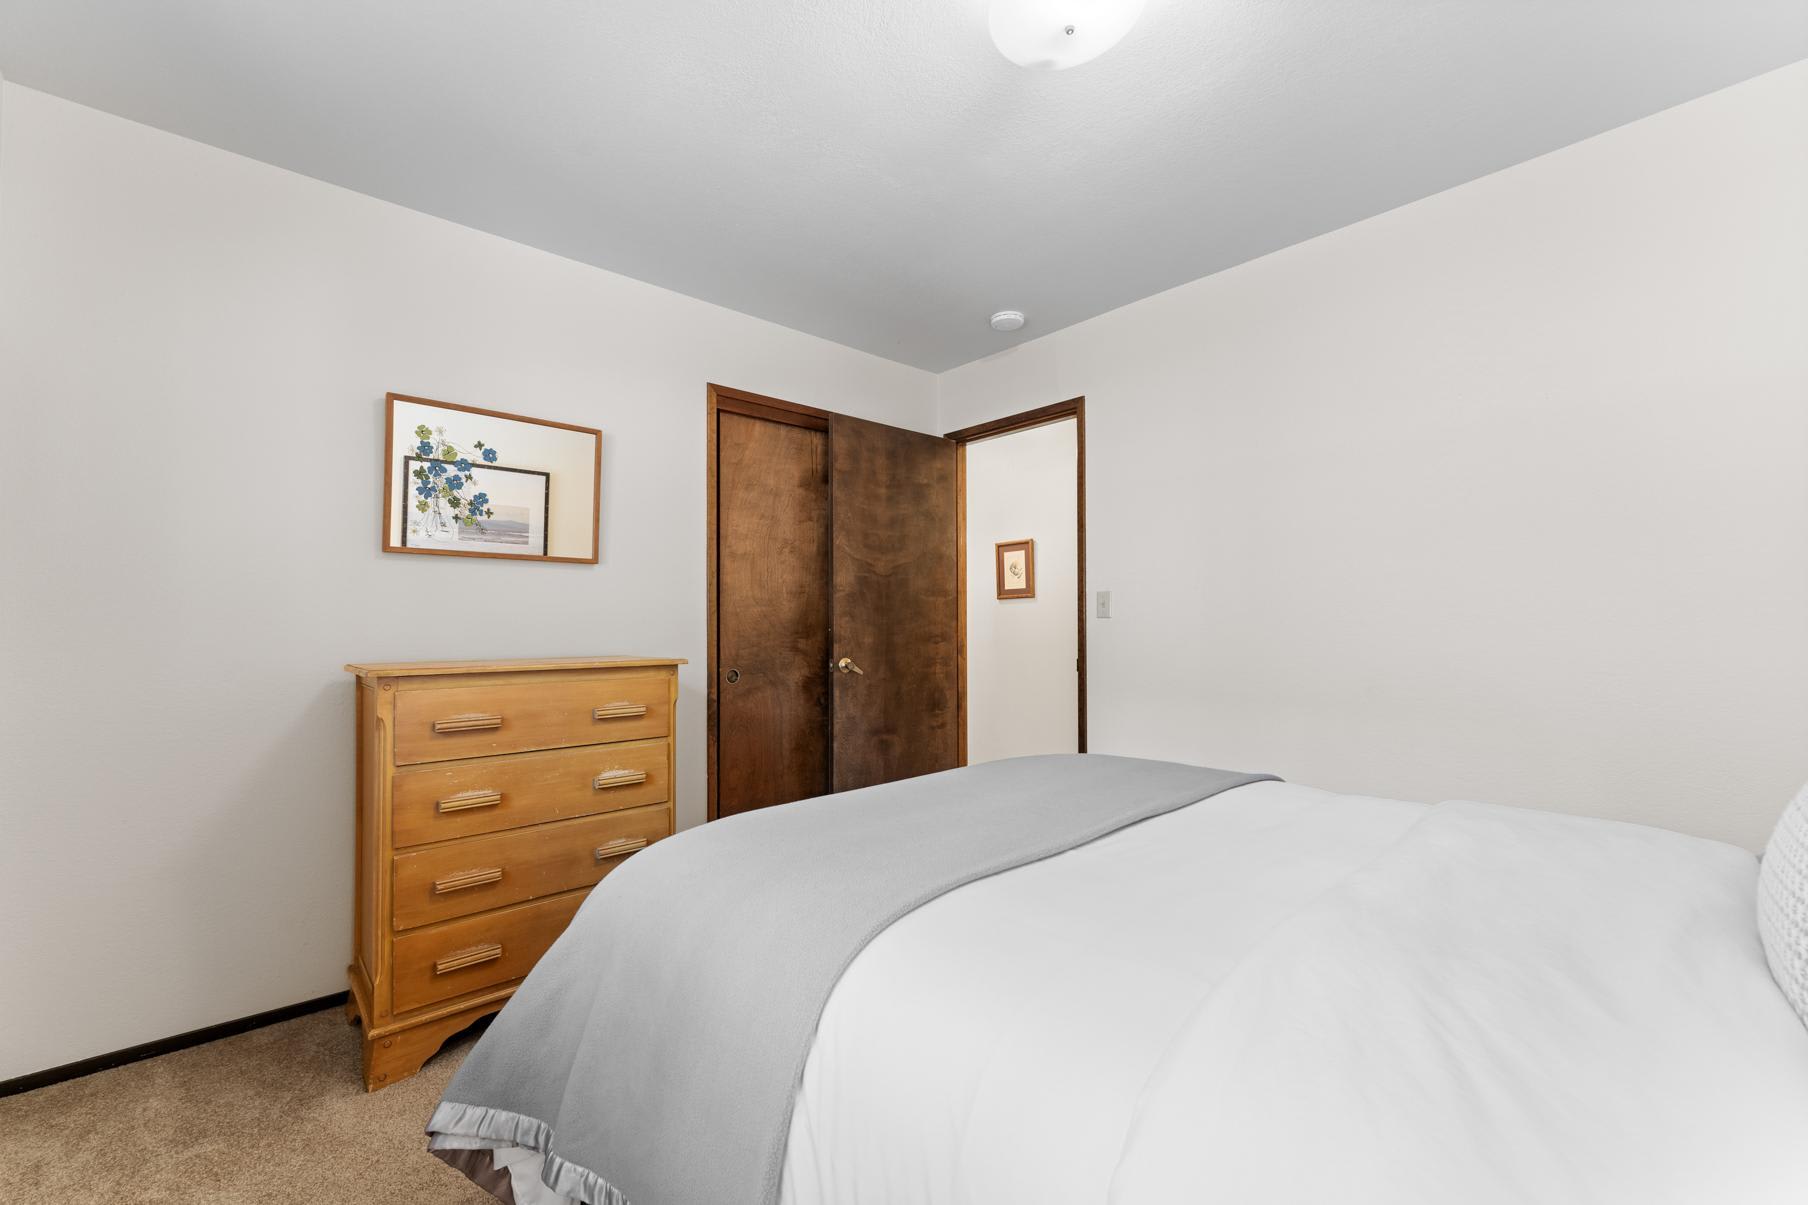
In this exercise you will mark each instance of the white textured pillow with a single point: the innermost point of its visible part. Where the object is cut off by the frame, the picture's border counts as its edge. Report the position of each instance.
(1783, 903)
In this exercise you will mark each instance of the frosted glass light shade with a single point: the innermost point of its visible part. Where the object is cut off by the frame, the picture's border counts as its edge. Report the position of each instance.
(1053, 34)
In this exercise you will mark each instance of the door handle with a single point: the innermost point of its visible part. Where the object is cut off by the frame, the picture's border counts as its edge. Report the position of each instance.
(846, 665)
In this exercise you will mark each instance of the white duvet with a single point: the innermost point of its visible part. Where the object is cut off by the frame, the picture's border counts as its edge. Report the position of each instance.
(1282, 995)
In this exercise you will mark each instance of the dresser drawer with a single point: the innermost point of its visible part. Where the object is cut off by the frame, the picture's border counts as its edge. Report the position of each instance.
(488, 872)
(477, 952)
(439, 723)
(441, 800)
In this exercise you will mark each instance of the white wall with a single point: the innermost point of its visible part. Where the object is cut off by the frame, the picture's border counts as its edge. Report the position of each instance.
(1501, 495)
(1022, 688)
(196, 348)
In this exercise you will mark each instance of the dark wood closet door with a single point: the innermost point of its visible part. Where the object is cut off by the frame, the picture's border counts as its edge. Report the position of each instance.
(772, 597)
(894, 505)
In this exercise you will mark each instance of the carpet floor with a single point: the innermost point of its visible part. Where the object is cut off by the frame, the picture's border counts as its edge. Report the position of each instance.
(271, 1117)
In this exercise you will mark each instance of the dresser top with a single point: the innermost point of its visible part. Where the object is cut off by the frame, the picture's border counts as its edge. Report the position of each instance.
(415, 669)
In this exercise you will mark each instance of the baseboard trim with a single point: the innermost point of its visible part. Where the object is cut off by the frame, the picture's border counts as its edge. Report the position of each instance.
(181, 1041)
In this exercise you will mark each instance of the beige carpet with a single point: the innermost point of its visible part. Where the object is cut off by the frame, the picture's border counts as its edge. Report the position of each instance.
(276, 1115)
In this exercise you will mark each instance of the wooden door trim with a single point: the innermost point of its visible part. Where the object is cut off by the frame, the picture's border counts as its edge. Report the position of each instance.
(960, 602)
(758, 405)
(710, 503)
(1041, 416)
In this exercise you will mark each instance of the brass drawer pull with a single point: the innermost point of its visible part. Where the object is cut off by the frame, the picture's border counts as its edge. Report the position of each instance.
(467, 723)
(469, 799)
(616, 849)
(467, 878)
(617, 711)
(618, 778)
(488, 952)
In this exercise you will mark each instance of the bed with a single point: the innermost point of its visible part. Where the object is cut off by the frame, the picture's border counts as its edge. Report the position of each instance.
(1268, 993)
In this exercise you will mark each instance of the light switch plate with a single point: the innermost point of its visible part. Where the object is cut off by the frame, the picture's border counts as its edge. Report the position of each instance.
(1104, 604)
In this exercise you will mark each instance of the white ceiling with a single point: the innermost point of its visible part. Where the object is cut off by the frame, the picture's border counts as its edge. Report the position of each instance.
(875, 172)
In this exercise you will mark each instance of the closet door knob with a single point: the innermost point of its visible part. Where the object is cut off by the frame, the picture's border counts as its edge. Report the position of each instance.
(846, 665)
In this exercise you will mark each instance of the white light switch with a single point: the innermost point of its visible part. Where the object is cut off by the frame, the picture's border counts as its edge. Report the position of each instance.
(1104, 604)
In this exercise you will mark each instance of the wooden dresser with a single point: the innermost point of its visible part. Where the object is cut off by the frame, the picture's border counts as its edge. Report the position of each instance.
(492, 795)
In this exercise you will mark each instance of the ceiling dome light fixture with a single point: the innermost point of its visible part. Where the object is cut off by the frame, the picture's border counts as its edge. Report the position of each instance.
(1007, 320)
(1055, 34)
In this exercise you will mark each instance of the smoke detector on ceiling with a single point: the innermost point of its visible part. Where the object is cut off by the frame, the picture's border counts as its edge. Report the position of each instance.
(1007, 320)
(1054, 34)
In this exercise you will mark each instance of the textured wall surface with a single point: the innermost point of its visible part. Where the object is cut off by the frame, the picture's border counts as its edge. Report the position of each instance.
(196, 348)
(1499, 495)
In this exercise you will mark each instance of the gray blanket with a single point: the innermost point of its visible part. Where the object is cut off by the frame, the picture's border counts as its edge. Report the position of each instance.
(654, 1053)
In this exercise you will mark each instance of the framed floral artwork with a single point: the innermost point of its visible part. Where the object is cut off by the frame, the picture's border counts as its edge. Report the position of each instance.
(465, 481)
(1017, 569)
(474, 507)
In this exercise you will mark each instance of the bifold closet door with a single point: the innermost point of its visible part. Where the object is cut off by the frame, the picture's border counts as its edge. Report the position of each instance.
(896, 694)
(773, 612)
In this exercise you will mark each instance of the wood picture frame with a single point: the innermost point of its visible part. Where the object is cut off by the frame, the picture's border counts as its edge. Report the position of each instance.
(572, 545)
(1015, 566)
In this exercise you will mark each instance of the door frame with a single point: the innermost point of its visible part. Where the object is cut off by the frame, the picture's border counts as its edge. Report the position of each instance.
(1042, 416)
(754, 405)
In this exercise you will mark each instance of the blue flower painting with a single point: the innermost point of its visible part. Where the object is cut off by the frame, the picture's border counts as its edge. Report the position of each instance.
(441, 482)
(461, 497)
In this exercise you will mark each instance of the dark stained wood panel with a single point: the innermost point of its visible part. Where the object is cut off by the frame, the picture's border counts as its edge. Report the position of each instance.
(896, 609)
(773, 613)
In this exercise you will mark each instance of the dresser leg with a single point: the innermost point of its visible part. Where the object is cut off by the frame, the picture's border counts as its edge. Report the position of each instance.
(393, 1058)
(351, 1009)
(400, 1053)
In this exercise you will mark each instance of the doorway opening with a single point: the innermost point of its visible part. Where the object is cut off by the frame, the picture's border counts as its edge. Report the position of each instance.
(1021, 542)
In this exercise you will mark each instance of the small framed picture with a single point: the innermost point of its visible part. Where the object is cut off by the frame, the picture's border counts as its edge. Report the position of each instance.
(1017, 569)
